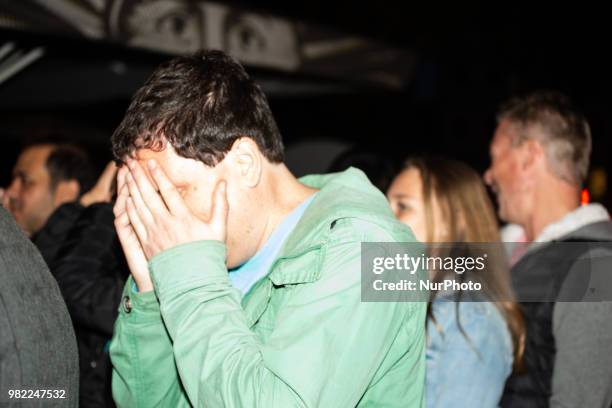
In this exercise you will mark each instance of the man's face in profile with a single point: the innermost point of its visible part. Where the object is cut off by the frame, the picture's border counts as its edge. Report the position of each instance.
(506, 176)
(30, 199)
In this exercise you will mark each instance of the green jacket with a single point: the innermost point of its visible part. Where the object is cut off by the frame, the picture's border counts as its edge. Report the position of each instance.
(301, 337)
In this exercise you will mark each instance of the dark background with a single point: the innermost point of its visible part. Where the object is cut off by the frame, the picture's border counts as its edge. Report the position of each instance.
(470, 59)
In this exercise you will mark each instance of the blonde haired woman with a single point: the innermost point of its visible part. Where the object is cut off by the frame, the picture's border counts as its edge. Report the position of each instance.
(474, 340)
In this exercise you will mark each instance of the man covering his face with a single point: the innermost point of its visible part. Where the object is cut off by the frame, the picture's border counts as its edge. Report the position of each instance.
(245, 287)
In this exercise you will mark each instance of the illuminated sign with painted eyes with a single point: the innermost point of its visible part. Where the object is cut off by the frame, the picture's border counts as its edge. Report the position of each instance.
(179, 28)
(254, 38)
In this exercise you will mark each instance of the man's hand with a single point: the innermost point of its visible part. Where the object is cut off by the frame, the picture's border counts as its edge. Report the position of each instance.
(134, 254)
(102, 192)
(163, 220)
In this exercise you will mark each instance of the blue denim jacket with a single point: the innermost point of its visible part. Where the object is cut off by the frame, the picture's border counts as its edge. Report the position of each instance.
(466, 372)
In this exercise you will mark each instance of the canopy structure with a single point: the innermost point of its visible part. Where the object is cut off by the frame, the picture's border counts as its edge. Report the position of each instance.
(297, 57)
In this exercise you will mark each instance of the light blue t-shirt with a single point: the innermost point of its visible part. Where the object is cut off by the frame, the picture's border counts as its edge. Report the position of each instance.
(245, 276)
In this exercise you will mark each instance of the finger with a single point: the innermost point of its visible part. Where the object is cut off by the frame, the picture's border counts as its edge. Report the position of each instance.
(137, 224)
(220, 209)
(122, 195)
(172, 198)
(141, 207)
(124, 229)
(122, 221)
(148, 193)
(121, 177)
(131, 246)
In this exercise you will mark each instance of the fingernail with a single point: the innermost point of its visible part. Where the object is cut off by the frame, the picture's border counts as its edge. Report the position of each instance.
(131, 163)
(151, 164)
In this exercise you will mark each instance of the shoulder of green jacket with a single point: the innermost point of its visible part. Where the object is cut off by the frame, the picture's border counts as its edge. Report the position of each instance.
(347, 205)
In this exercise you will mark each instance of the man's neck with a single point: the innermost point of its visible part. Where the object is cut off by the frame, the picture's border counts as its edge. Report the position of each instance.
(283, 194)
(551, 203)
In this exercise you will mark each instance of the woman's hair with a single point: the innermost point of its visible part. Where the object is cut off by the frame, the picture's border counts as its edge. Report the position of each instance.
(468, 216)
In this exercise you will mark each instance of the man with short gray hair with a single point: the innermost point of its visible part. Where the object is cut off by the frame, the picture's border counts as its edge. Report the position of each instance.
(539, 160)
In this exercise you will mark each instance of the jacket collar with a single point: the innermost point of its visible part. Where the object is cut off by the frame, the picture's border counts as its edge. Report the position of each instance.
(341, 195)
(573, 221)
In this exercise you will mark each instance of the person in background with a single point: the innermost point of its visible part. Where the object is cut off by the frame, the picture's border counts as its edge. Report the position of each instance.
(539, 159)
(69, 218)
(37, 346)
(46, 176)
(473, 340)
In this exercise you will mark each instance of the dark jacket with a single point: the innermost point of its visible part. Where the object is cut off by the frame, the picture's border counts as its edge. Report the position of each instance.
(50, 238)
(91, 270)
(37, 344)
(564, 292)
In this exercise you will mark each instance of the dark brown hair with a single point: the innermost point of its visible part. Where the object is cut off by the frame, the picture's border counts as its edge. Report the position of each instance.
(70, 162)
(200, 104)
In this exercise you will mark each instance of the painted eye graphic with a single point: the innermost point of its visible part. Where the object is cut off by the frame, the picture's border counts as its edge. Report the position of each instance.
(164, 25)
(261, 40)
(174, 24)
(245, 37)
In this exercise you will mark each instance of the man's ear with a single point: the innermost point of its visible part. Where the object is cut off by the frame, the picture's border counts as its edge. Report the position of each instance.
(66, 191)
(248, 160)
(533, 155)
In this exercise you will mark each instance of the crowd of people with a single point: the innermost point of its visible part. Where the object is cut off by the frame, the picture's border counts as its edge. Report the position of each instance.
(199, 271)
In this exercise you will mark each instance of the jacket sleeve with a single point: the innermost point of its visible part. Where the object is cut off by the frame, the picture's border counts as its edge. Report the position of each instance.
(323, 349)
(582, 373)
(469, 368)
(91, 270)
(144, 372)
